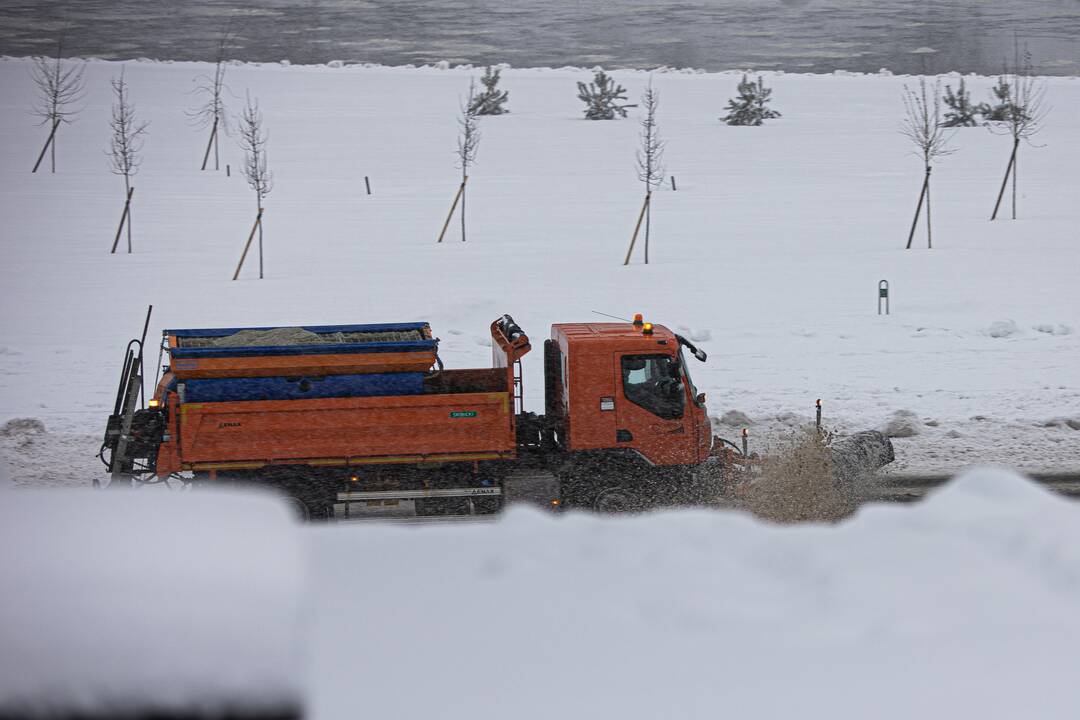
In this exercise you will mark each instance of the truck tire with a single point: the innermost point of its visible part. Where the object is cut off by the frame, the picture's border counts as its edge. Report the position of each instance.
(616, 499)
(487, 506)
(309, 493)
(298, 508)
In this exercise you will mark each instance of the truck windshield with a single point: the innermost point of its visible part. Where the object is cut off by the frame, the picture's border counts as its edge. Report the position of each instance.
(654, 383)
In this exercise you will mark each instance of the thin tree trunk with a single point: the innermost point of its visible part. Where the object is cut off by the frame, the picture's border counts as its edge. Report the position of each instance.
(127, 189)
(247, 245)
(52, 153)
(463, 208)
(637, 227)
(918, 211)
(1016, 163)
(929, 241)
(260, 239)
(453, 206)
(1004, 181)
(648, 220)
(209, 143)
(123, 219)
(217, 165)
(45, 147)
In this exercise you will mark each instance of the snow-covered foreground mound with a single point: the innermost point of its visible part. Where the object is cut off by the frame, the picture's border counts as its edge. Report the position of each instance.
(113, 602)
(964, 606)
(768, 255)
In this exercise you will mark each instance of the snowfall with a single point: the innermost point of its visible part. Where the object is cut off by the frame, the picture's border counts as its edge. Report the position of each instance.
(768, 255)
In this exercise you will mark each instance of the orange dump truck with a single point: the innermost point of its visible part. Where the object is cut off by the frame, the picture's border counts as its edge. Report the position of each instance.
(358, 420)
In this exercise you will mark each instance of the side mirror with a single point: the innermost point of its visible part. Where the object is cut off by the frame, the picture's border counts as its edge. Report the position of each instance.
(700, 399)
(700, 355)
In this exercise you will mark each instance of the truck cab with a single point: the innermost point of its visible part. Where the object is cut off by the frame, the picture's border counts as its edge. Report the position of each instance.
(625, 387)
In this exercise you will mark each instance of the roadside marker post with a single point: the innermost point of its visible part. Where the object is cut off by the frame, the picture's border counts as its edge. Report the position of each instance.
(883, 295)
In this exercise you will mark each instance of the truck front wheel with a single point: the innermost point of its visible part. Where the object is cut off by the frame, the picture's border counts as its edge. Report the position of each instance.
(616, 499)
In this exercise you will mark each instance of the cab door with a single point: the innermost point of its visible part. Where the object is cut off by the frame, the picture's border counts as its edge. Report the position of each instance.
(651, 409)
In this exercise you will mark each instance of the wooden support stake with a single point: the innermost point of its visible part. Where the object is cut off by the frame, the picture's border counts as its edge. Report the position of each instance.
(367, 184)
(673, 183)
(247, 245)
(56, 124)
(633, 238)
(228, 170)
(123, 219)
(453, 206)
(918, 211)
(1005, 180)
(209, 144)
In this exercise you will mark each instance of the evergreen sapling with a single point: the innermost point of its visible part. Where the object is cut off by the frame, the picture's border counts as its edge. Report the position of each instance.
(602, 98)
(961, 112)
(491, 100)
(999, 111)
(750, 107)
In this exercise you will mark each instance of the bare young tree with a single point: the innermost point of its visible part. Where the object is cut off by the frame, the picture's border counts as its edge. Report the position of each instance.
(124, 147)
(923, 126)
(253, 143)
(468, 145)
(211, 114)
(60, 85)
(650, 154)
(1024, 114)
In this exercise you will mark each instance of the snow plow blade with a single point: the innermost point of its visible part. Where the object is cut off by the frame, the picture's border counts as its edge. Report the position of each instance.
(859, 455)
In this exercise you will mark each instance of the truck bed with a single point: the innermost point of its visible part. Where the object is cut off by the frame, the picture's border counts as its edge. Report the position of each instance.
(238, 399)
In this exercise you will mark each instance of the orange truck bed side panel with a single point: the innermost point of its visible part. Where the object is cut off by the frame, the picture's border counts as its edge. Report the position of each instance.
(347, 430)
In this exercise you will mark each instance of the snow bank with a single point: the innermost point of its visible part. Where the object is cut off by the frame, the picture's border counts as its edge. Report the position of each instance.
(149, 600)
(961, 606)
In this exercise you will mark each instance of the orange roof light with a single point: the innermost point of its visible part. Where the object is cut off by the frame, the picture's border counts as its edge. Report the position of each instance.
(646, 329)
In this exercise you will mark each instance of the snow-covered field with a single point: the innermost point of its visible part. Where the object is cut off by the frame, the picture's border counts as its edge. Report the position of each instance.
(962, 606)
(768, 254)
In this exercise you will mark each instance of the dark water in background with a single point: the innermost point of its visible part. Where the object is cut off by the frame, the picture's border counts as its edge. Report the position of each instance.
(905, 36)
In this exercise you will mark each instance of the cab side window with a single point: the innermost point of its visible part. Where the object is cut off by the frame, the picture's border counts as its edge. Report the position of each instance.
(654, 382)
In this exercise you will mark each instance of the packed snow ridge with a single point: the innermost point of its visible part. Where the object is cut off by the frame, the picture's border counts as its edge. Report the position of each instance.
(967, 601)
